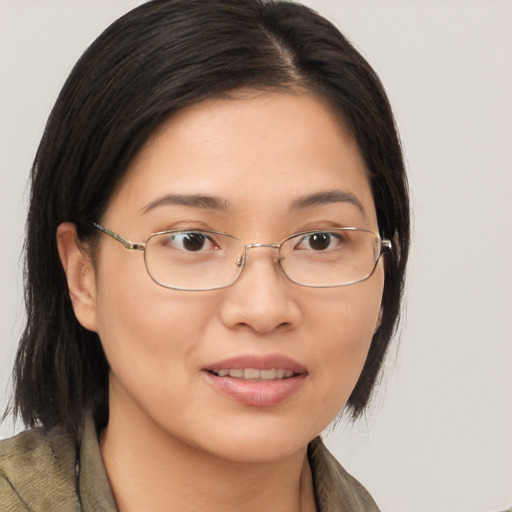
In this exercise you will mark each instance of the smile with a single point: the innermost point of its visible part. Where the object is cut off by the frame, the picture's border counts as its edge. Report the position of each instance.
(257, 381)
(254, 373)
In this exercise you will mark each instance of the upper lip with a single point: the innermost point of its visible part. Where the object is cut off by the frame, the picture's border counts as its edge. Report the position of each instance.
(259, 362)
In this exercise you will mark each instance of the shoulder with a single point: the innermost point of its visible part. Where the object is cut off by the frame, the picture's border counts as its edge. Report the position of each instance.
(37, 472)
(335, 489)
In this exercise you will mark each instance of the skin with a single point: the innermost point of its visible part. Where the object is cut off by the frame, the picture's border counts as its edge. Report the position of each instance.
(259, 152)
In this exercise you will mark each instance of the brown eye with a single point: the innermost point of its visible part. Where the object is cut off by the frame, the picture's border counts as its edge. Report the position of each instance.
(188, 241)
(319, 241)
(193, 241)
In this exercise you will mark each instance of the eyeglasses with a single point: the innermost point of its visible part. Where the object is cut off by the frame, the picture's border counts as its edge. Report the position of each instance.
(197, 260)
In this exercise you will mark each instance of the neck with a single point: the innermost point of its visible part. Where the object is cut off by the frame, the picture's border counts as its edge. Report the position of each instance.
(149, 469)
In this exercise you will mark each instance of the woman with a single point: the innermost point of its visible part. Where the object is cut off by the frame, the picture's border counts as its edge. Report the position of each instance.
(216, 246)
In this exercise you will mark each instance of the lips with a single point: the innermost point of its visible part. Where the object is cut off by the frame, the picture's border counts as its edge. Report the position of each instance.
(257, 381)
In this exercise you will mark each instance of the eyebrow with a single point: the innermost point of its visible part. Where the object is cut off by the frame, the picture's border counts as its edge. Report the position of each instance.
(220, 204)
(327, 197)
(191, 200)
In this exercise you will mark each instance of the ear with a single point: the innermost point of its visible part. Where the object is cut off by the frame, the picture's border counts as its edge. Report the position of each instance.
(80, 275)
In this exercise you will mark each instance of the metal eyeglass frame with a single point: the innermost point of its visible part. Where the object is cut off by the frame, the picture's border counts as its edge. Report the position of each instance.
(385, 245)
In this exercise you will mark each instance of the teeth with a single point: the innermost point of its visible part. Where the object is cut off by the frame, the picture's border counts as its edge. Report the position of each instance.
(251, 373)
(268, 374)
(254, 374)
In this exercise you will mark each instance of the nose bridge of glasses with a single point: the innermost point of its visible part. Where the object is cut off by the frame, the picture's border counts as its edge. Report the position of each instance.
(263, 246)
(243, 258)
(253, 246)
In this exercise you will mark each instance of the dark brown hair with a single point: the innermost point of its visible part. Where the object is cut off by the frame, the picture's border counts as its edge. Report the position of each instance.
(155, 60)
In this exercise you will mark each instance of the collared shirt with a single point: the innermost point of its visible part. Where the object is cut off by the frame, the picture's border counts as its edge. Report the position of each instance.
(49, 472)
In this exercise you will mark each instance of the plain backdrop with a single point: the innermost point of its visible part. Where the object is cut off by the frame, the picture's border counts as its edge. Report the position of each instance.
(438, 437)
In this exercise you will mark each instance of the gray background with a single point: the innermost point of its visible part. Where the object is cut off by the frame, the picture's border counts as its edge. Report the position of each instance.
(438, 436)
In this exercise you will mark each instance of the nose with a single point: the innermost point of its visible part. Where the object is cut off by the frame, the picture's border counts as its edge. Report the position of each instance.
(262, 299)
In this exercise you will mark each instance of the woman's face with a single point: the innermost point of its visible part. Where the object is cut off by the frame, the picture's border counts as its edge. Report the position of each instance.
(257, 154)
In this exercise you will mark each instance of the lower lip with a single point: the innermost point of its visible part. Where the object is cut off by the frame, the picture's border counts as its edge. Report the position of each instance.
(257, 393)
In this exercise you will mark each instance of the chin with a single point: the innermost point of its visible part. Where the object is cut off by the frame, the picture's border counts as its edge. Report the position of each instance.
(250, 450)
(258, 442)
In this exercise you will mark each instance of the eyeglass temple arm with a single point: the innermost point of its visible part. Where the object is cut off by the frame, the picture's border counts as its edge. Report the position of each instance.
(385, 245)
(132, 246)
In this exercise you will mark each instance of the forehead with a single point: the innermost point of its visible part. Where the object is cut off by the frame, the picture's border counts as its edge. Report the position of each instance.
(252, 149)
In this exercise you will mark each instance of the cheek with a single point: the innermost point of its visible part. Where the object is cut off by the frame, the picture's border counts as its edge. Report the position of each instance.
(346, 322)
(148, 333)
(349, 316)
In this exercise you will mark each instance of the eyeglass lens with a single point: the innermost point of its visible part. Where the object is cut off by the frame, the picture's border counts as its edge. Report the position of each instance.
(205, 260)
